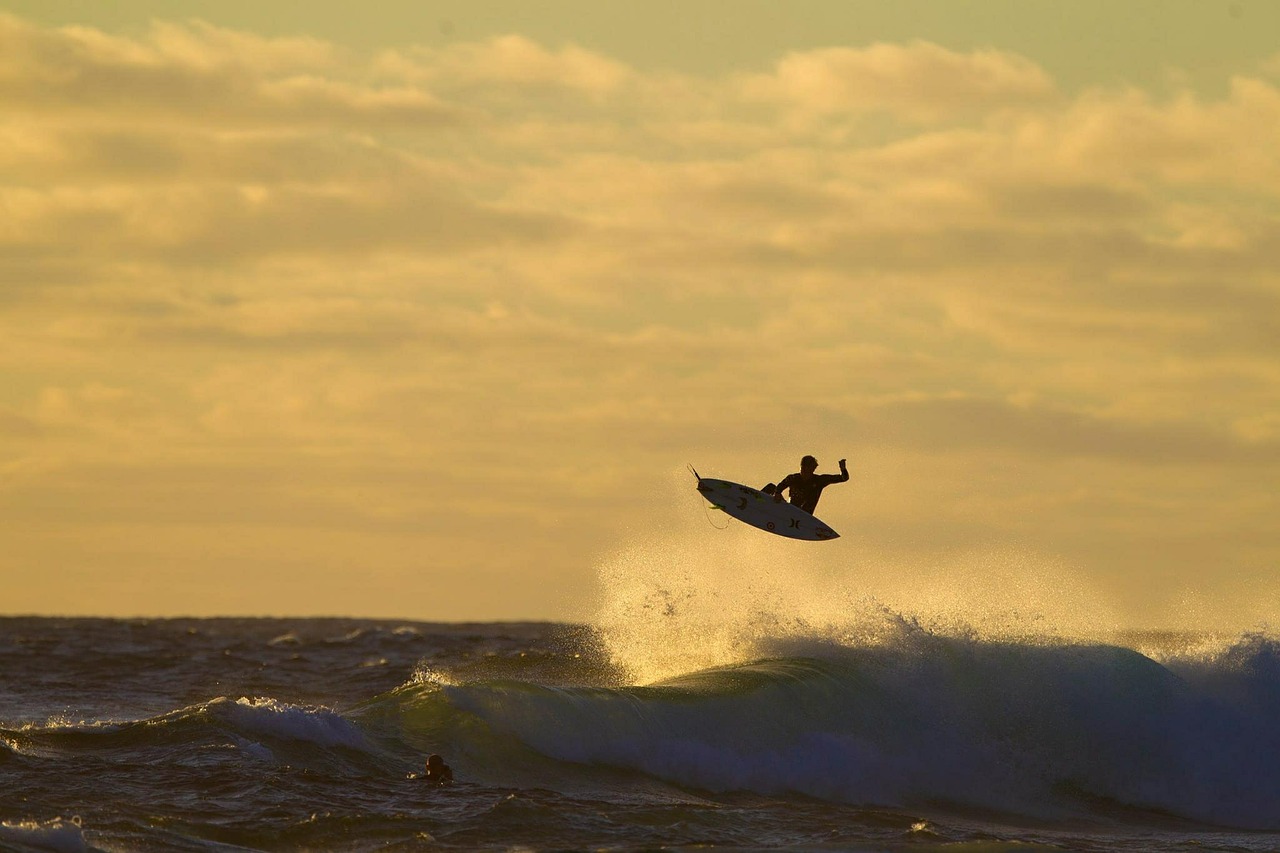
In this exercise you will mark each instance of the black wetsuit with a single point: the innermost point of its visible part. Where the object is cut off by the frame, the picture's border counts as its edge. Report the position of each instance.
(441, 776)
(807, 488)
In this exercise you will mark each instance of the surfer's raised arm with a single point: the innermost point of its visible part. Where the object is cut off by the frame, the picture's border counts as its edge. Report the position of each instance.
(806, 486)
(842, 477)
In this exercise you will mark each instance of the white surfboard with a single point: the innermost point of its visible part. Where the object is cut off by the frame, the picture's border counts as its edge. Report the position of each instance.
(763, 511)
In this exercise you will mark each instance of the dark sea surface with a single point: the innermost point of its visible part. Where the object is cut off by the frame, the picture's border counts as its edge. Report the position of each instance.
(287, 734)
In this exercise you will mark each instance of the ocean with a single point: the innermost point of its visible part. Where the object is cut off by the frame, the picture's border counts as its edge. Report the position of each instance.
(310, 734)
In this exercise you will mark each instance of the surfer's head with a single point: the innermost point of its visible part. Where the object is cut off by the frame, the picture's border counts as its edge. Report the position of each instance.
(808, 465)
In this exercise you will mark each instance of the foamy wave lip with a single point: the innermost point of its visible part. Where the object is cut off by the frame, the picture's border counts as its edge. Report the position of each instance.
(59, 834)
(350, 637)
(62, 723)
(426, 676)
(268, 717)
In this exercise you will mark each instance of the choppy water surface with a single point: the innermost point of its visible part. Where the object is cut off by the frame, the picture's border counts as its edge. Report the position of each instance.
(287, 734)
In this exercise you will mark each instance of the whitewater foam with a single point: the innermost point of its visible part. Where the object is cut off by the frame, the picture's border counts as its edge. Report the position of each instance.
(268, 717)
(63, 835)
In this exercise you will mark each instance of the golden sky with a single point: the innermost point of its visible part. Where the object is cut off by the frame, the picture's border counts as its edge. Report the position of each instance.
(304, 312)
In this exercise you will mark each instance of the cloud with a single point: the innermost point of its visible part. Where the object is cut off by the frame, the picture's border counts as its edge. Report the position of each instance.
(1085, 201)
(995, 426)
(1182, 141)
(224, 224)
(488, 272)
(919, 81)
(199, 72)
(510, 61)
(64, 52)
(39, 155)
(14, 425)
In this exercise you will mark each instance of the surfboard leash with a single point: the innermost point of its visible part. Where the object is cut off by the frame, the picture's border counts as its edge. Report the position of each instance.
(707, 512)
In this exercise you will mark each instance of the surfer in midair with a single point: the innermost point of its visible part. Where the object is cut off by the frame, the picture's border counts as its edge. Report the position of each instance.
(806, 486)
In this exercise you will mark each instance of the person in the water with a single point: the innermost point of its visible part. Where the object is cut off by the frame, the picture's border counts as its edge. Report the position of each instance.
(807, 485)
(438, 772)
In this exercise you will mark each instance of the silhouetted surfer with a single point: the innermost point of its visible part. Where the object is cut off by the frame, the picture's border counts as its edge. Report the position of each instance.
(438, 772)
(806, 486)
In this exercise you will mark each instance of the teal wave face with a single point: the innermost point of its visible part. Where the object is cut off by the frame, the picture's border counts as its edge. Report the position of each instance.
(1031, 729)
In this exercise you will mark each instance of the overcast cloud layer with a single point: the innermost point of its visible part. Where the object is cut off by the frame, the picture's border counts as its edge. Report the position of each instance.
(288, 328)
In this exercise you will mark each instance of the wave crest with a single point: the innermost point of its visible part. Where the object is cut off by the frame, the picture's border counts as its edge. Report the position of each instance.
(1042, 729)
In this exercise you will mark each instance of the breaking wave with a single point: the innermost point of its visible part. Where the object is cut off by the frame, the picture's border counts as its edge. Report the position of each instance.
(1048, 730)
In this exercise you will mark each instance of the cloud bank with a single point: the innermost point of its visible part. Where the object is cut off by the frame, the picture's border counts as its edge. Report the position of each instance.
(425, 310)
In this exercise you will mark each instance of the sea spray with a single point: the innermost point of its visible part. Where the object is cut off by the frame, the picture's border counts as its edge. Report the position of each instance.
(985, 679)
(685, 600)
